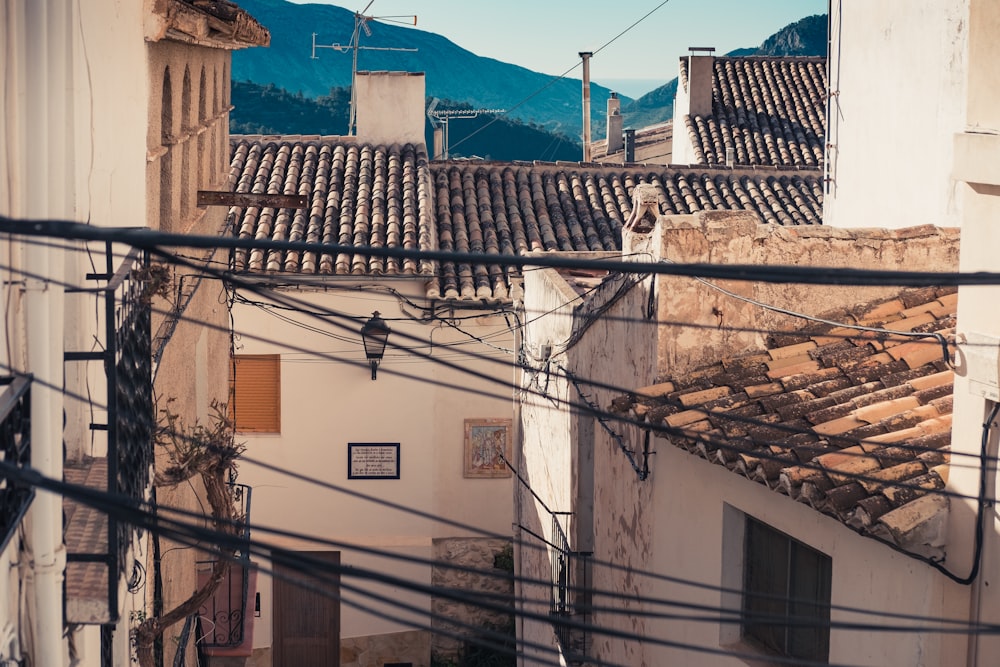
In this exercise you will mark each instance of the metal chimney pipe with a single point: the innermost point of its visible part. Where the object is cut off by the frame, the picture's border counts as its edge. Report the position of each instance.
(614, 131)
(629, 145)
(586, 104)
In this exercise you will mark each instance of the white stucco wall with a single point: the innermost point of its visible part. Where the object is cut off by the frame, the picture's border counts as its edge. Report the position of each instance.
(673, 523)
(329, 400)
(390, 107)
(975, 169)
(83, 158)
(683, 150)
(686, 539)
(897, 82)
(564, 450)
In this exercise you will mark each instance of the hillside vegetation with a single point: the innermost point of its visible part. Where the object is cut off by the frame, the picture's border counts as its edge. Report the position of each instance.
(272, 110)
(451, 72)
(806, 37)
(283, 90)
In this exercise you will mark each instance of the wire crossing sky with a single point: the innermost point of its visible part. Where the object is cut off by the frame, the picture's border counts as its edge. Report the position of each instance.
(547, 36)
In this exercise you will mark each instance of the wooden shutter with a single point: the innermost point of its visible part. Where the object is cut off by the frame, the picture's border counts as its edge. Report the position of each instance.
(255, 393)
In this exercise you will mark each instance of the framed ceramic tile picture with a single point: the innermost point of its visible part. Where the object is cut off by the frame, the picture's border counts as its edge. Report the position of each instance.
(487, 447)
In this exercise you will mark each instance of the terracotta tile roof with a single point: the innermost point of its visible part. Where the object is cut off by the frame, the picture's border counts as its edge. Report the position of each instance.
(358, 195)
(768, 110)
(653, 144)
(853, 423)
(392, 196)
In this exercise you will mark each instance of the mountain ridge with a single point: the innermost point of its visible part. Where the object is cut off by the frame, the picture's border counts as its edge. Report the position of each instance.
(451, 72)
(805, 37)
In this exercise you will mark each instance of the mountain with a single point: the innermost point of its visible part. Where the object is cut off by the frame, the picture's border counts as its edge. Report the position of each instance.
(806, 37)
(451, 72)
(272, 110)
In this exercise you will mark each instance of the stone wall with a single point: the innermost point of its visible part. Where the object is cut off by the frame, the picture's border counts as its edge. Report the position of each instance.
(700, 319)
(376, 650)
(470, 567)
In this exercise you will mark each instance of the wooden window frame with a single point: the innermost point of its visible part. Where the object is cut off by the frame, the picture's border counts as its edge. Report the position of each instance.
(785, 578)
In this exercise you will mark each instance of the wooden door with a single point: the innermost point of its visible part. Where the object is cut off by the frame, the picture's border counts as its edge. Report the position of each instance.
(306, 616)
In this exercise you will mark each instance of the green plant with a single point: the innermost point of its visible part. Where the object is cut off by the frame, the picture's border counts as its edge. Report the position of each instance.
(504, 559)
(210, 452)
(494, 646)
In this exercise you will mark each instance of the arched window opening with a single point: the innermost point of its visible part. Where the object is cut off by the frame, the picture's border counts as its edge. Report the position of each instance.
(206, 165)
(167, 210)
(187, 175)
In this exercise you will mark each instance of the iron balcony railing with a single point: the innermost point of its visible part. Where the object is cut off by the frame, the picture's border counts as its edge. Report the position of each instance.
(15, 448)
(222, 617)
(560, 556)
(126, 301)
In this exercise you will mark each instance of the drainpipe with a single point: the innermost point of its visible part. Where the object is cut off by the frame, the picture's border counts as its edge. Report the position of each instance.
(45, 100)
(518, 534)
(586, 104)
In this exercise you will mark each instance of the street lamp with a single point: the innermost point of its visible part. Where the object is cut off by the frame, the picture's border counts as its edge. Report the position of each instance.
(374, 333)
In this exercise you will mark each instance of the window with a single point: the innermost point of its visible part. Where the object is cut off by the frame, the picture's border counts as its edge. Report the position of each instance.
(784, 579)
(255, 393)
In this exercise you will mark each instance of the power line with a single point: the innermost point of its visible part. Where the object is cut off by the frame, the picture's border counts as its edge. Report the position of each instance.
(558, 78)
(215, 541)
(980, 500)
(604, 414)
(149, 240)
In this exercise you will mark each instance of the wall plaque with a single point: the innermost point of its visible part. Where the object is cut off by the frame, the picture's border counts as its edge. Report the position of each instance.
(373, 460)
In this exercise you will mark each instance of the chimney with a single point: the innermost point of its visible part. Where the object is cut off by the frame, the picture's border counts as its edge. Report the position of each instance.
(701, 62)
(390, 107)
(615, 142)
(586, 104)
(629, 145)
(438, 153)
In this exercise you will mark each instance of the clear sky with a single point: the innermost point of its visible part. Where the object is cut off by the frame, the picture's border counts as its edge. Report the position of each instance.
(546, 35)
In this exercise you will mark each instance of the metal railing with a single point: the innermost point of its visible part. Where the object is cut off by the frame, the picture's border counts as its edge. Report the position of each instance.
(127, 365)
(560, 557)
(223, 615)
(15, 448)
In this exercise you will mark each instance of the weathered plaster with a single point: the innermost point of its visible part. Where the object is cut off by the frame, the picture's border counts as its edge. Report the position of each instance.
(699, 321)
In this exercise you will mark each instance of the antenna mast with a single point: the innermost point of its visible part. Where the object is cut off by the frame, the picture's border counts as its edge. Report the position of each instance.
(360, 24)
(439, 120)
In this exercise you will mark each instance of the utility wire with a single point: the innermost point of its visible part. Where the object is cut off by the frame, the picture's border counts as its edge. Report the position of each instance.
(126, 509)
(609, 415)
(558, 78)
(980, 500)
(150, 240)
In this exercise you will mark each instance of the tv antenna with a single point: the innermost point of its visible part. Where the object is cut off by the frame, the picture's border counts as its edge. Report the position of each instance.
(361, 25)
(441, 117)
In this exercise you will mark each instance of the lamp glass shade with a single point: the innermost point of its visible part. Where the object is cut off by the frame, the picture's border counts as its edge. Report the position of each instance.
(374, 334)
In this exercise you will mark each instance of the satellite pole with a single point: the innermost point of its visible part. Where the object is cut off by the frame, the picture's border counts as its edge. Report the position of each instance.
(360, 24)
(440, 118)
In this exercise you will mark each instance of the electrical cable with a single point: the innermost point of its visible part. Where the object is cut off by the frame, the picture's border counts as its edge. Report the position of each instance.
(472, 304)
(219, 540)
(791, 430)
(148, 239)
(222, 540)
(555, 79)
(609, 415)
